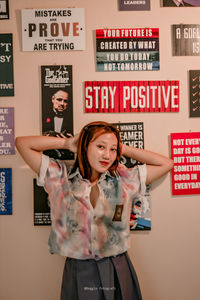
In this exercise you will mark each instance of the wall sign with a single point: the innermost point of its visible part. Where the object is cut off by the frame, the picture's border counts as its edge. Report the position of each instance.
(185, 151)
(59, 29)
(5, 191)
(132, 134)
(194, 77)
(4, 9)
(180, 4)
(7, 138)
(131, 96)
(41, 205)
(186, 40)
(6, 65)
(134, 5)
(130, 49)
(57, 105)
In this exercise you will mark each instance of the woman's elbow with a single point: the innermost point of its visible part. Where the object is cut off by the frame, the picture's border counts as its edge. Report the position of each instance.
(19, 142)
(170, 164)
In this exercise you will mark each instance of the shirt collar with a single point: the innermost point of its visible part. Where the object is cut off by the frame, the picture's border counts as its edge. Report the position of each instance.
(78, 174)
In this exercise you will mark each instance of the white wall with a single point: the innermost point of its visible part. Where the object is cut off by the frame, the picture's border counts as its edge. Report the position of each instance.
(166, 258)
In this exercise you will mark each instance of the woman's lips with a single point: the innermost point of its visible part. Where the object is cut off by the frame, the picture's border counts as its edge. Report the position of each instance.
(104, 163)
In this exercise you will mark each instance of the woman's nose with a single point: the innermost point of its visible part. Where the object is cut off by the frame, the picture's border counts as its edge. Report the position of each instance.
(106, 154)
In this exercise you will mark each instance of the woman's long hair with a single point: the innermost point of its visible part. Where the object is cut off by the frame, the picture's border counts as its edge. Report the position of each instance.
(89, 133)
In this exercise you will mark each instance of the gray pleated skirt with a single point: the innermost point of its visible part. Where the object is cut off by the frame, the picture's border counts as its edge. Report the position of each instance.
(110, 278)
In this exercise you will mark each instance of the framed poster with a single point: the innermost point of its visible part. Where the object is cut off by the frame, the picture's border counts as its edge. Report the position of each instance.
(134, 5)
(194, 79)
(59, 29)
(7, 137)
(5, 191)
(131, 96)
(180, 3)
(185, 152)
(6, 65)
(4, 9)
(128, 49)
(186, 40)
(41, 205)
(132, 134)
(57, 105)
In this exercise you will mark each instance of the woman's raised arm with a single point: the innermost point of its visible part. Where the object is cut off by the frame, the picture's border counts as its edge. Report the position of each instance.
(157, 164)
(31, 147)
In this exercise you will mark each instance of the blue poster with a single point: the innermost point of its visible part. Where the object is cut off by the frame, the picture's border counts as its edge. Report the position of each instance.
(5, 191)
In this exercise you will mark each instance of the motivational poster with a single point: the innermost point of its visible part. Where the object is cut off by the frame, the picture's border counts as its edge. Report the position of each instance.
(41, 205)
(194, 78)
(132, 134)
(131, 96)
(6, 65)
(4, 9)
(57, 105)
(186, 40)
(175, 3)
(58, 29)
(134, 5)
(130, 49)
(5, 191)
(7, 138)
(185, 152)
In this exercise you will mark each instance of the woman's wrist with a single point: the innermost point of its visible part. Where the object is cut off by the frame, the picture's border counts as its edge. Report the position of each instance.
(125, 149)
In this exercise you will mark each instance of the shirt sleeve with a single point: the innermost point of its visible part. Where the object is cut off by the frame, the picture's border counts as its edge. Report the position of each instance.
(52, 173)
(43, 170)
(134, 179)
(142, 174)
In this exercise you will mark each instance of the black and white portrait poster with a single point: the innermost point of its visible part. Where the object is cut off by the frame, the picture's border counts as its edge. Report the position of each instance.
(4, 10)
(180, 3)
(58, 29)
(6, 65)
(194, 79)
(186, 40)
(134, 5)
(57, 105)
(132, 134)
(41, 205)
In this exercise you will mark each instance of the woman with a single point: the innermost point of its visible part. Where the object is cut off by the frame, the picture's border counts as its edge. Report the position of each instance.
(90, 207)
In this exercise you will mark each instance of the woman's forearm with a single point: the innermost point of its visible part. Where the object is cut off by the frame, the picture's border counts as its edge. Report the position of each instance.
(157, 164)
(31, 147)
(39, 143)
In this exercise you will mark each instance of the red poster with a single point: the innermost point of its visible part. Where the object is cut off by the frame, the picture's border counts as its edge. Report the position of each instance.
(185, 152)
(131, 96)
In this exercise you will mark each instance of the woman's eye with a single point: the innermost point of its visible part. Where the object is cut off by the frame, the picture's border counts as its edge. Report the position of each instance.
(100, 146)
(113, 150)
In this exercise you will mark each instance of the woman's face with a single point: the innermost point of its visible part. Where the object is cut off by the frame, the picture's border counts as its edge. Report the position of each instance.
(102, 153)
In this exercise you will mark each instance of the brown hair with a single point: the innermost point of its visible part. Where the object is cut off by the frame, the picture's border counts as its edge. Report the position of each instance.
(89, 133)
